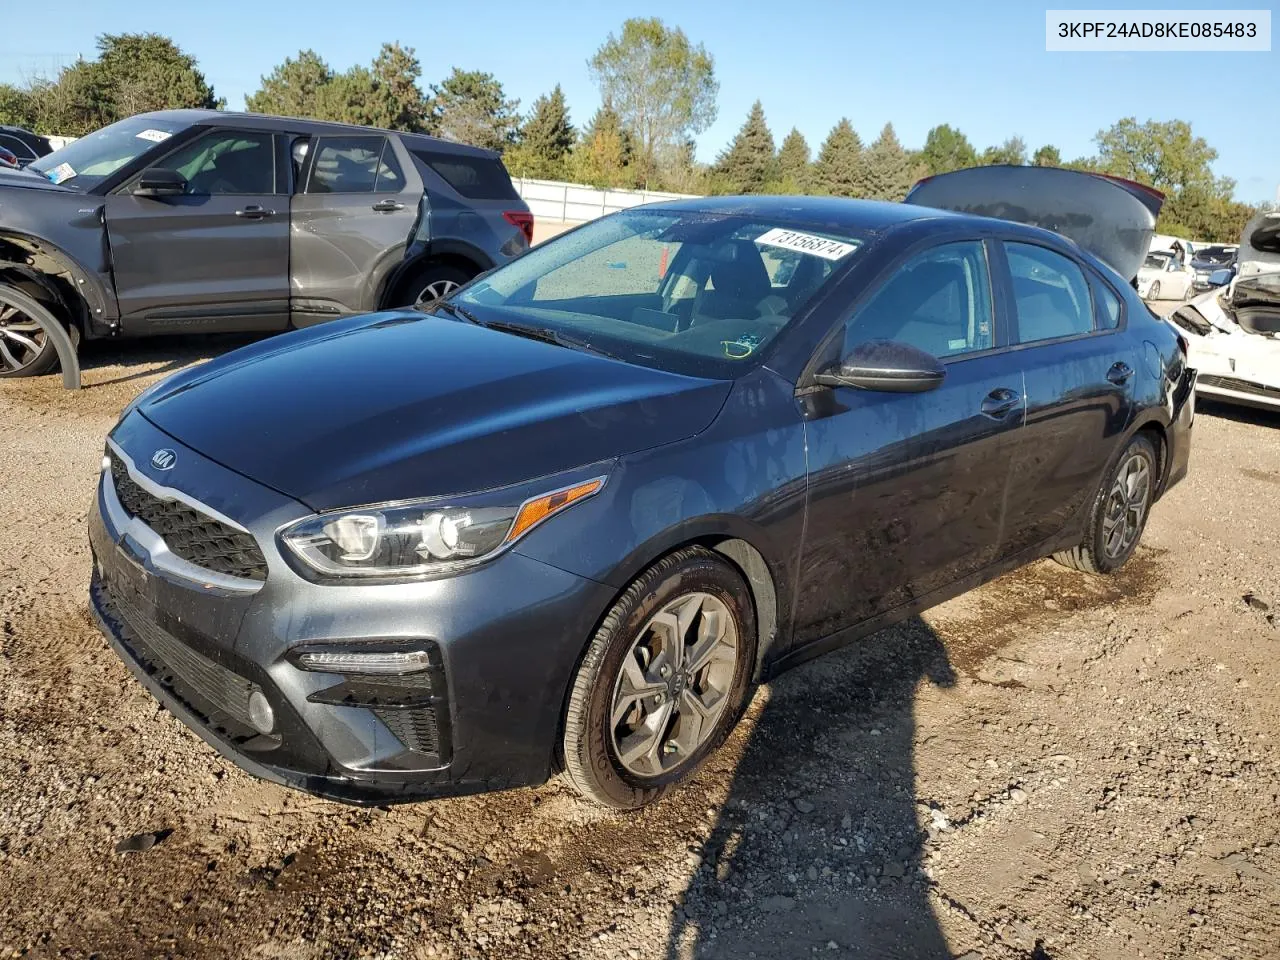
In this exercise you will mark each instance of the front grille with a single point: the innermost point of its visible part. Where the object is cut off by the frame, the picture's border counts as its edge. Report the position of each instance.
(1240, 386)
(217, 696)
(415, 728)
(188, 533)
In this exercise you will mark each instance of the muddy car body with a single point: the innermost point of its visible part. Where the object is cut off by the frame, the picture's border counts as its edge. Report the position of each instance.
(602, 491)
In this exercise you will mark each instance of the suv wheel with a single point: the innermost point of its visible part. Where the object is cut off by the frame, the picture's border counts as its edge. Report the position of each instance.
(1120, 512)
(25, 348)
(432, 283)
(663, 682)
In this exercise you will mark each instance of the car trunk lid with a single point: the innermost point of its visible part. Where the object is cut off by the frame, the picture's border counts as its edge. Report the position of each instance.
(1112, 218)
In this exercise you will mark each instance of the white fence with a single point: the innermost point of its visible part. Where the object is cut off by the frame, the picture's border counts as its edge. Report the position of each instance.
(574, 203)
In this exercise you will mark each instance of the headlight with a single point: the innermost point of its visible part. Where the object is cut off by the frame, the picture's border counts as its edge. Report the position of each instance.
(408, 539)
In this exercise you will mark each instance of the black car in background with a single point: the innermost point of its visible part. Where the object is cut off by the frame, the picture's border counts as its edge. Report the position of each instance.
(1211, 260)
(18, 147)
(567, 517)
(199, 221)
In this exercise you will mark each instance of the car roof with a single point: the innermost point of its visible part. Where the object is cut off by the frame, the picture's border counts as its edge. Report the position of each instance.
(267, 121)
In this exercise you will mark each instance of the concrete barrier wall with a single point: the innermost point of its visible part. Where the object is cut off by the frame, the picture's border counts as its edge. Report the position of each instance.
(554, 200)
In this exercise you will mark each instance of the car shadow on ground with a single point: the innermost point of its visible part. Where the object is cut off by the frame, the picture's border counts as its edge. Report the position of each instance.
(1237, 412)
(109, 362)
(819, 845)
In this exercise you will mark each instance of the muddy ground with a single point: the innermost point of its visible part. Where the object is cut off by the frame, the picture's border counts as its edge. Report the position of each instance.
(1051, 766)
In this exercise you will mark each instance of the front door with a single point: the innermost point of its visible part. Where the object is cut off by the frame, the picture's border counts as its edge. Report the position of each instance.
(351, 223)
(215, 257)
(907, 490)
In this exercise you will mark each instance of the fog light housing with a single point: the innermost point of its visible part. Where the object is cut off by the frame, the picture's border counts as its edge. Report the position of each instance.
(261, 716)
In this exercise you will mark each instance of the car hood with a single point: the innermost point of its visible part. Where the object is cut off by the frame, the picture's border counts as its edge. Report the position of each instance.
(22, 178)
(400, 405)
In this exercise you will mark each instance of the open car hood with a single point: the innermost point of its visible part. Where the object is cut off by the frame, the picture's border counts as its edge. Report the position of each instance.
(1113, 219)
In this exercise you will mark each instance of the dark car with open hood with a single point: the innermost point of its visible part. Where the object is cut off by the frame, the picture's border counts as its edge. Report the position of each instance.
(566, 518)
(201, 221)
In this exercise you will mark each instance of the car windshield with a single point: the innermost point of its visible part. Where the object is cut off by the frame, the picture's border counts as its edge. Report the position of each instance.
(692, 292)
(1157, 261)
(85, 162)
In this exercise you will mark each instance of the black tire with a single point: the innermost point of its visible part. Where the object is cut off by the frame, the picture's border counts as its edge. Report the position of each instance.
(591, 761)
(1099, 553)
(19, 312)
(432, 281)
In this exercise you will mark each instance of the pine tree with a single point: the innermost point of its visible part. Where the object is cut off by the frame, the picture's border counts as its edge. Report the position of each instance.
(749, 163)
(888, 171)
(793, 164)
(839, 165)
(545, 139)
(603, 156)
(947, 149)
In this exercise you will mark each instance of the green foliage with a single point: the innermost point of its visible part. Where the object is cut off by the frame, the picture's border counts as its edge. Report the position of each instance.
(603, 157)
(793, 164)
(947, 149)
(545, 140)
(469, 106)
(663, 87)
(838, 170)
(134, 73)
(1047, 156)
(749, 163)
(292, 88)
(1012, 151)
(887, 171)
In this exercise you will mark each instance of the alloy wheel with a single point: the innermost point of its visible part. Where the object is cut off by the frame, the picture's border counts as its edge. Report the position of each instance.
(22, 339)
(435, 290)
(1127, 505)
(1154, 293)
(673, 685)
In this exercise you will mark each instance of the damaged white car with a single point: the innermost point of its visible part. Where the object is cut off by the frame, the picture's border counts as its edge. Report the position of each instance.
(1234, 333)
(1164, 277)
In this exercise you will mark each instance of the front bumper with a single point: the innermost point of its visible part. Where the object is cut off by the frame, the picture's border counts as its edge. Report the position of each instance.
(504, 637)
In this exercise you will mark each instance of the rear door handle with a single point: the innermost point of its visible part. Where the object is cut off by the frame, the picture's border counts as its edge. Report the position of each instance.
(1120, 373)
(254, 212)
(388, 206)
(1000, 402)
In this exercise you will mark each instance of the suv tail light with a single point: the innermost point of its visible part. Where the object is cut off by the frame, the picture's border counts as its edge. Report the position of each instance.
(522, 219)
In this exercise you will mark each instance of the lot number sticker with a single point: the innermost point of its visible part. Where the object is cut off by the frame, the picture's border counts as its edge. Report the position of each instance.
(62, 171)
(155, 136)
(806, 243)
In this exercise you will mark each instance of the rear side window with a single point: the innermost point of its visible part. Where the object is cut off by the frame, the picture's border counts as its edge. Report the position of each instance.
(476, 178)
(1050, 293)
(355, 165)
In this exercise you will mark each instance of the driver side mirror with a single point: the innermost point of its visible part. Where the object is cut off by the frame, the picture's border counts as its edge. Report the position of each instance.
(887, 365)
(159, 182)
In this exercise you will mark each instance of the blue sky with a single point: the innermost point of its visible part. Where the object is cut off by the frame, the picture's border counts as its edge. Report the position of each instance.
(981, 67)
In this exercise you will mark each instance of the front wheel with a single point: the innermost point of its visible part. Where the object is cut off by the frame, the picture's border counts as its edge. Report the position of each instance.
(1119, 512)
(1154, 292)
(663, 682)
(25, 349)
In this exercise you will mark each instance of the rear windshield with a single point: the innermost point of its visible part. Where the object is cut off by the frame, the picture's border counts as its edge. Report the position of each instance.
(476, 178)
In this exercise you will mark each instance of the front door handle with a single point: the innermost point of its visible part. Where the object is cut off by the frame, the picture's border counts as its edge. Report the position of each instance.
(1120, 373)
(999, 402)
(254, 212)
(388, 206)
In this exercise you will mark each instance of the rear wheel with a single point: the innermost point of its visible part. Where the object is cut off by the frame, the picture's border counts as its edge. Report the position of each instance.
(433, 282)
(663, 682)
(1119, 512)
(26, 350)
(1154, 292)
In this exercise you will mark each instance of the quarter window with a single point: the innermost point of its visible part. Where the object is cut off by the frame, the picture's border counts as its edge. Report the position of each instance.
(938, 301)
(1050, 293)
(1108, 312)
(355, 165)
(227, 162)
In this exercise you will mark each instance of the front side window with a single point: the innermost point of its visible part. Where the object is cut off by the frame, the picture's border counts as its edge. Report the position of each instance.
(938, 301)
(1050, 294)
(227, 162)
(16, 147)
(690, 291)
(84, 163)
(354, 165)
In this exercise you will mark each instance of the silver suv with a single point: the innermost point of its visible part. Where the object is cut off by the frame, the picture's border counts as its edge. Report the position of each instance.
(192, 221)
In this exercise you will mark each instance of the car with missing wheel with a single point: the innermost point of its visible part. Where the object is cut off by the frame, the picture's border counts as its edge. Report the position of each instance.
(200, 221)
(593, 498)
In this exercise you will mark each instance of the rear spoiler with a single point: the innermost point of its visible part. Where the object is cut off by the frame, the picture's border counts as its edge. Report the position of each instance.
(1112, 218)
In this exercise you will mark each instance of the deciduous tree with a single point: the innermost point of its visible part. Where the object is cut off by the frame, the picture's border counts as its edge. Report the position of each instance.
(947, 149)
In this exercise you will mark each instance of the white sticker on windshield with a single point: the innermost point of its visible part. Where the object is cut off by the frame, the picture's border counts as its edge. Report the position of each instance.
(806, 243)
(155, 136)
(62, 171)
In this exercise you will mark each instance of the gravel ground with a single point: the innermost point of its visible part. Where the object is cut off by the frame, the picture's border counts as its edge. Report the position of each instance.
(1051, 766)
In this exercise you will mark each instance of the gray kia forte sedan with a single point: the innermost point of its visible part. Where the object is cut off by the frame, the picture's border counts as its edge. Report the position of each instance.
(565, 519)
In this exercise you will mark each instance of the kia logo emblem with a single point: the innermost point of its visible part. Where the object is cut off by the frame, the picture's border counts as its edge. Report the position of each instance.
(164, 459)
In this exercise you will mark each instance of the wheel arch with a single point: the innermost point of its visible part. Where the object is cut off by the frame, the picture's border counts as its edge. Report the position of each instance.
(454, 253)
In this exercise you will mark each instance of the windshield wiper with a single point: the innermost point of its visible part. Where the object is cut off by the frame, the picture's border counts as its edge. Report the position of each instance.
(454, 309)
(546, 335)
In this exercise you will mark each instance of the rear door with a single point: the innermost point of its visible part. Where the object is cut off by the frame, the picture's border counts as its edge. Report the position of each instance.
(214, 258)
(1079, 369)
(350, 225)
(907, 490)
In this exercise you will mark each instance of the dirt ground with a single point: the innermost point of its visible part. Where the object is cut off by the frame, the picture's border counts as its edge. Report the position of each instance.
(1053, 766)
